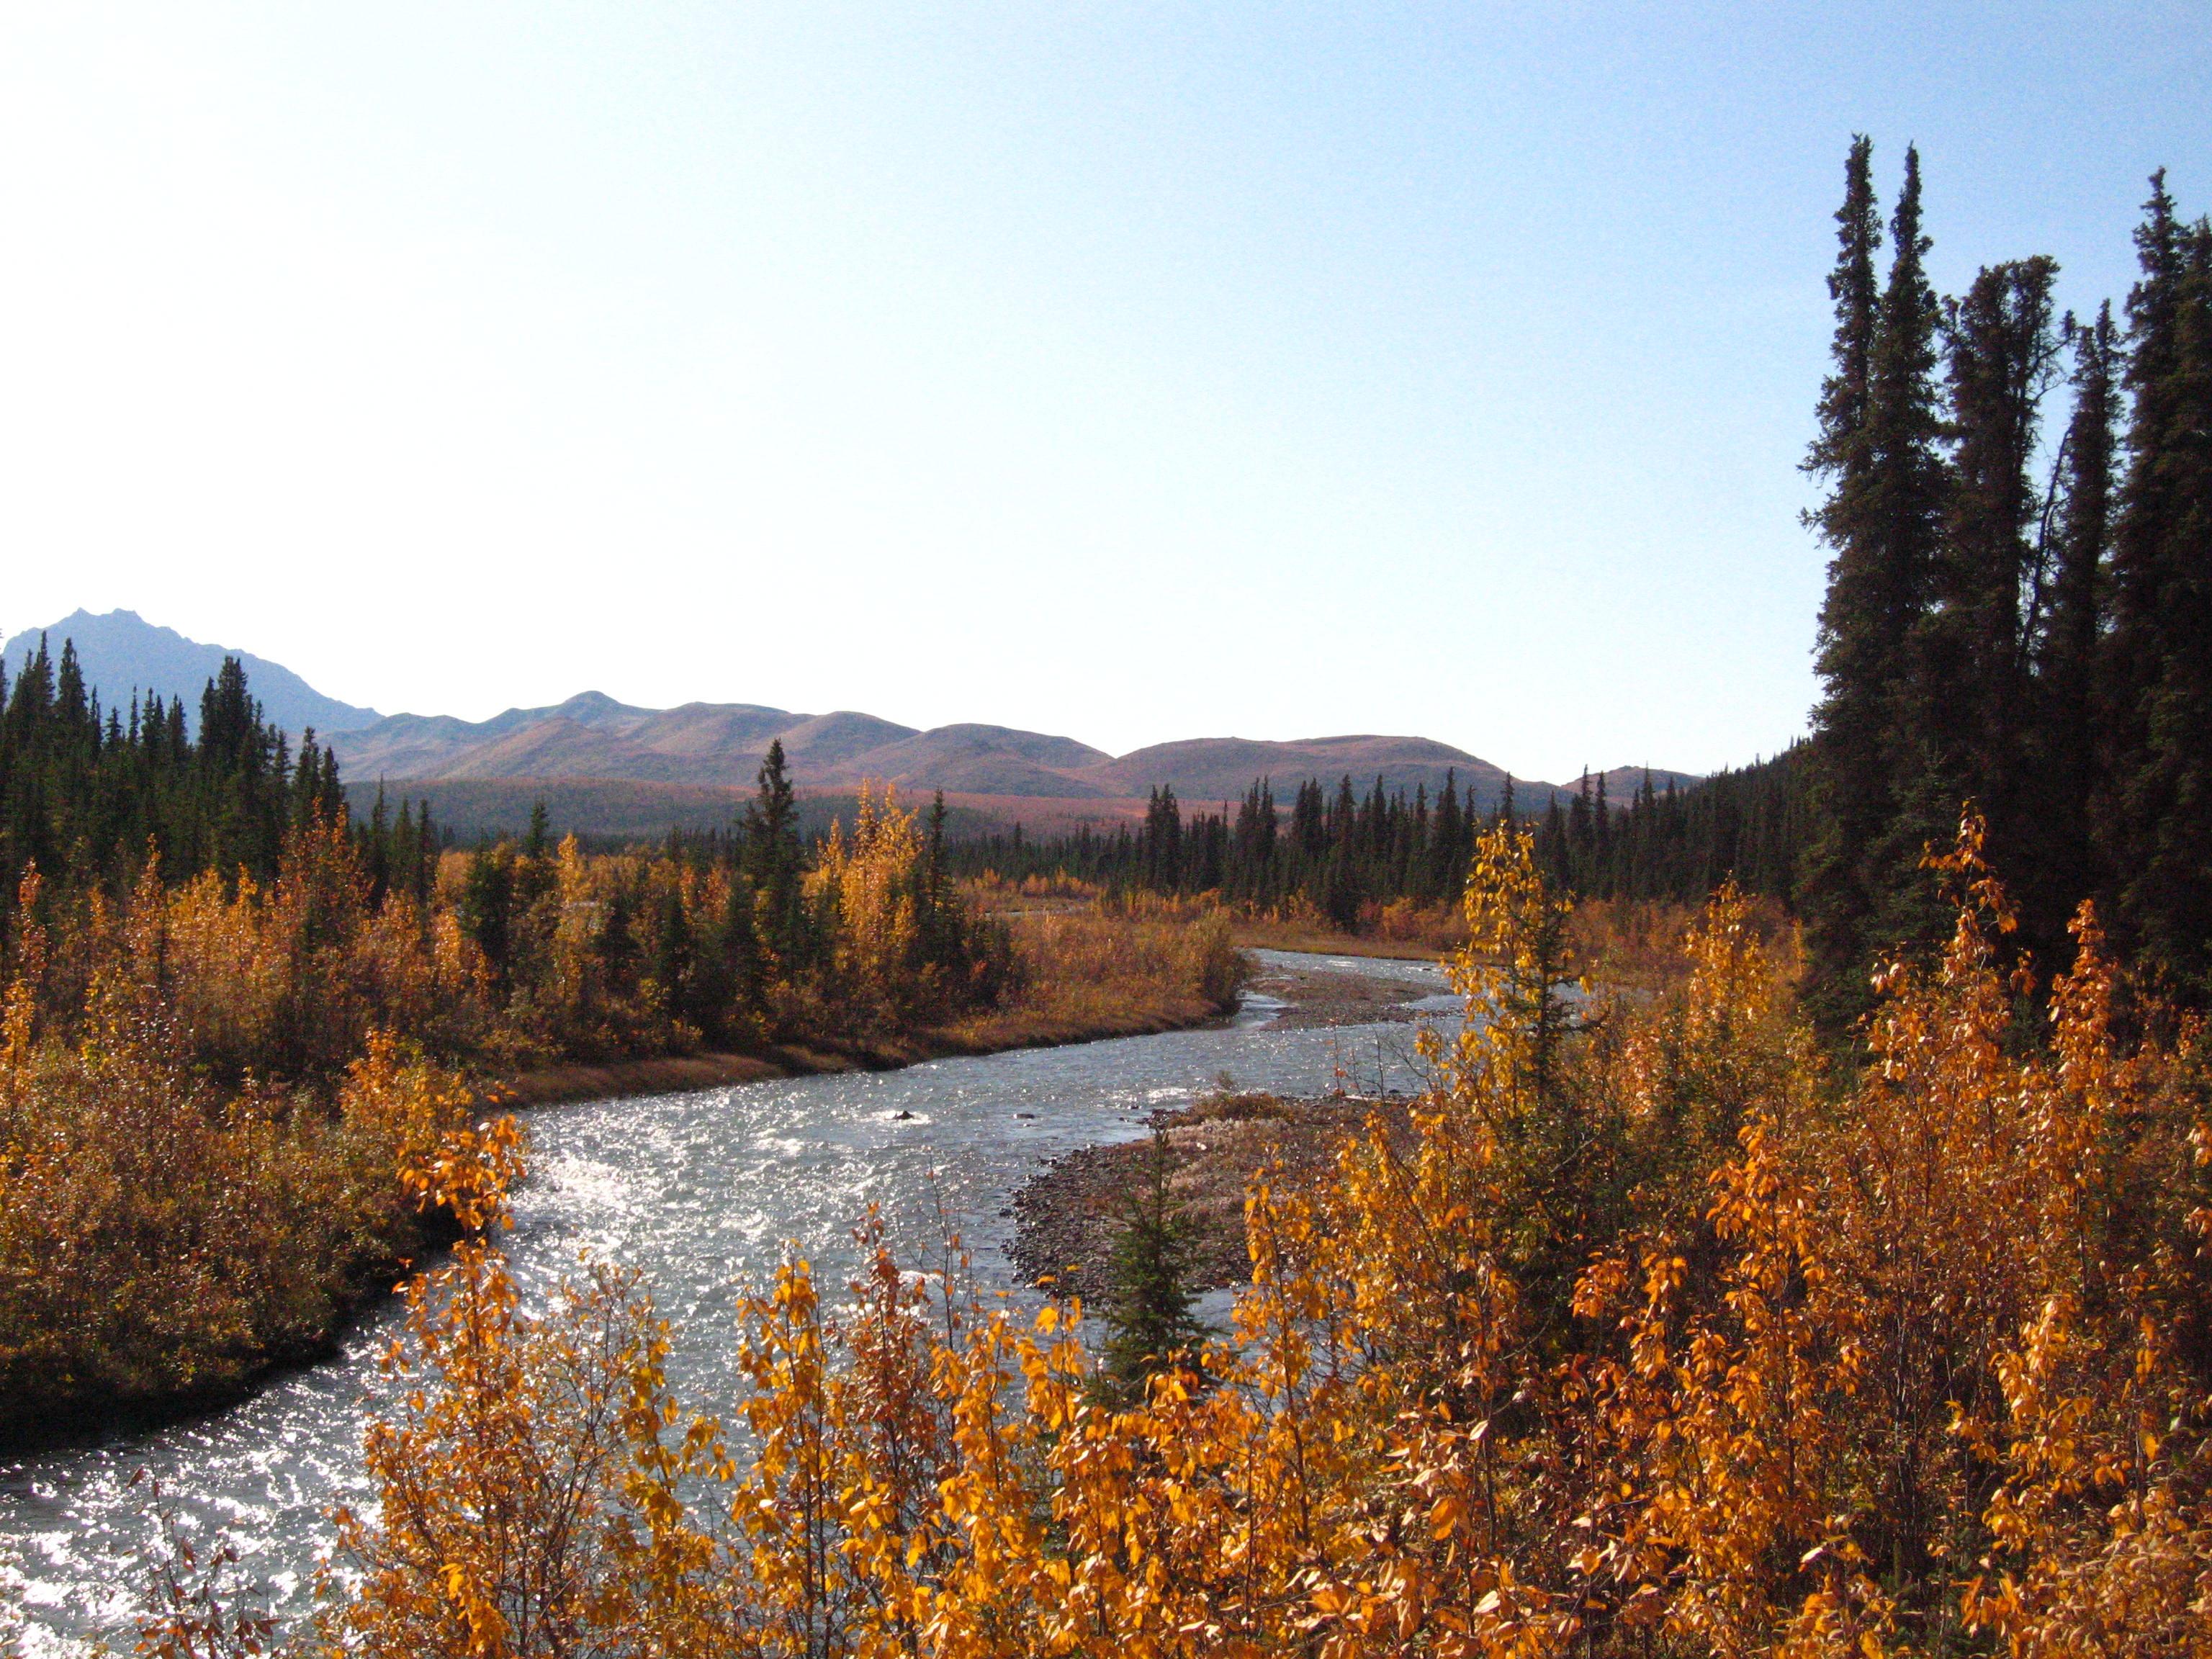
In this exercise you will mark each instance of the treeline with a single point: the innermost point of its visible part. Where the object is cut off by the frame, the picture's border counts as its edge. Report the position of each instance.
(1346, 857)
(2023, 623)
(92, 796)
(520, 949)
(1334, 853)
(1747, 826)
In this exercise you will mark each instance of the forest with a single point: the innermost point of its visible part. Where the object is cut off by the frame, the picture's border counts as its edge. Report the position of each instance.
(1345, 857)
(1844, 1289)
(233, 1013)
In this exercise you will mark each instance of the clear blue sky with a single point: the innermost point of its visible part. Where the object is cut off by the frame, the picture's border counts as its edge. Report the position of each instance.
(1131, 371)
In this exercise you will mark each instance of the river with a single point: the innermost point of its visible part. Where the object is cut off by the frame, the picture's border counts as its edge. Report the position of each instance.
(702, 1191)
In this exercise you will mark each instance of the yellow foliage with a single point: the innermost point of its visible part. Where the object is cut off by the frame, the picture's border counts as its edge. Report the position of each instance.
(1649, 1334)
(159, 1237)
(868, 882)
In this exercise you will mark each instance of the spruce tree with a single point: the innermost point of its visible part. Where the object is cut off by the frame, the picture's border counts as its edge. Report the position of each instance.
(2155, 811)
(1150, 1325)
(2060, 769)
(1969, 695)
(773, 858)
(1446, 864)
(1858, 650)
(1879, 789)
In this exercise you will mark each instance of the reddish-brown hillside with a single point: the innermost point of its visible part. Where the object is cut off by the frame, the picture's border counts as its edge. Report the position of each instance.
(1003, 773)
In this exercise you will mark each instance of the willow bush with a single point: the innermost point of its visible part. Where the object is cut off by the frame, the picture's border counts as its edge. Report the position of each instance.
(1665, 1331)
(207, 1085)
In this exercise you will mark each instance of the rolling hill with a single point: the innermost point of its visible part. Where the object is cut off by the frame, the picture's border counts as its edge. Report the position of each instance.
(616, 767)
(592, 736)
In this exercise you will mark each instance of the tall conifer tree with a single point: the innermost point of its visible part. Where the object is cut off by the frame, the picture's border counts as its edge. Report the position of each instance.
(1857, 652)
(1970, 695)
(2156, 809)
(773, 858)
(2061, 763)
(1878, 447)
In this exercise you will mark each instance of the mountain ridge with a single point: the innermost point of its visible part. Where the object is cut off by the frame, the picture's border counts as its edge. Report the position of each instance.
(592, 738)
(841, 750)
(122, 654)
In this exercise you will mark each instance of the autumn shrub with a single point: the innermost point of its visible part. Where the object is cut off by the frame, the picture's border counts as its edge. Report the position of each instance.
(993, 892)
(1097, 972)
(1661, 1330)
(1409, 921)
(1634, 946)
(162, 1238)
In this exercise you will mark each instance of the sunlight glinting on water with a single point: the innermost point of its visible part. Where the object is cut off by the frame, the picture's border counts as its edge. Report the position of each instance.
(702, 1192)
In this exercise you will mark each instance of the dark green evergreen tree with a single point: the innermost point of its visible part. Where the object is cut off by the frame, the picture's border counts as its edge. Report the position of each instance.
(774, 861)
(1861, 627)
(1879, 793)
(1163, 841)
(1150, 1324)
(2059, 866)
(2155, 808)
(488, 906)
(1970, 698)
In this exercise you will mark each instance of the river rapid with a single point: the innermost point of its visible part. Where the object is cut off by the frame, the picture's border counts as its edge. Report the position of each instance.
(702, 1191)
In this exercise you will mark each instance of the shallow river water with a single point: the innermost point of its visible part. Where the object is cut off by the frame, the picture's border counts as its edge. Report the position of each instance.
(702, 1191)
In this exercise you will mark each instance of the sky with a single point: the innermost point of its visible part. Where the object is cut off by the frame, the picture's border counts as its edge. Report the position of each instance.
(1132, 371)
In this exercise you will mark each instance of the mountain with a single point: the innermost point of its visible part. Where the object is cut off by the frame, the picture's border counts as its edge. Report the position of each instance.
(592, 736)
(122, 652)
(1222, 769)
(594, 750)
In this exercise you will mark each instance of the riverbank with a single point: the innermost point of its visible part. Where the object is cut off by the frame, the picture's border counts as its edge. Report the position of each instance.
(1316, 997)
(1049, 1016)
(1067, 1218)
(999, 1032)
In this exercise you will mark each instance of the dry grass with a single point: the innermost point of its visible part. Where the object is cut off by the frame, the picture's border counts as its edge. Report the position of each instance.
(995, 895)
(1086, 974)
(1401, 930)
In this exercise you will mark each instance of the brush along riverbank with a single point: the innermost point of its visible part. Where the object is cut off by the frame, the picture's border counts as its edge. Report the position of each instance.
(1067, 1217)
(317, 1227)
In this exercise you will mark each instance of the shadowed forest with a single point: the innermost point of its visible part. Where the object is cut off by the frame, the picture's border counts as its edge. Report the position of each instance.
(1837, 1284)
